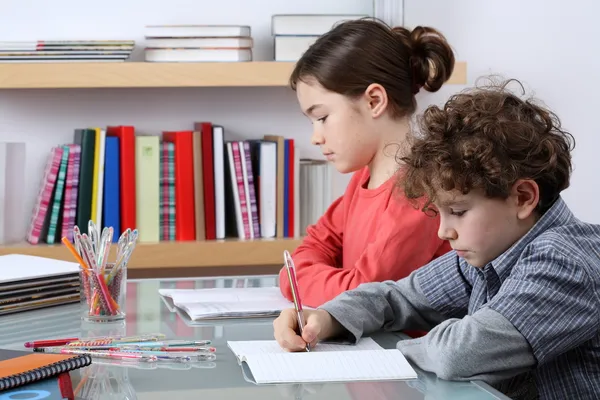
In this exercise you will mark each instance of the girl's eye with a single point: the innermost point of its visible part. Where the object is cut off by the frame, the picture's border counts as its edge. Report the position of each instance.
(322, 119)
(457, 213)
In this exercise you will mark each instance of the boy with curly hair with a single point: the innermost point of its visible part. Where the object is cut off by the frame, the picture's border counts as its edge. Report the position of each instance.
(516, 302)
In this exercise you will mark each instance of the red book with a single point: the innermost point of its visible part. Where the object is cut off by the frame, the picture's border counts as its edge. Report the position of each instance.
(208, 177)
(126, 135)
(185, 214)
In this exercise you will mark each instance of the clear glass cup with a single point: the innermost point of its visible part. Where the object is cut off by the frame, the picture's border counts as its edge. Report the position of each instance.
(103, 293)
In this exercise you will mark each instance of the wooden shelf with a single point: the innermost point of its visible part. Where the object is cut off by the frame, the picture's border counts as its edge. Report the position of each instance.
(218, 253)
(148, 75)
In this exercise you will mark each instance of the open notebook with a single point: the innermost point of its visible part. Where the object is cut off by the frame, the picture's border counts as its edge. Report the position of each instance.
(217, 303)
(264, 362)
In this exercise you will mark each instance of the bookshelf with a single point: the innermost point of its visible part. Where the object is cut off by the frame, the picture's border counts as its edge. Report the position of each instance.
(156, 75)
(217, 253)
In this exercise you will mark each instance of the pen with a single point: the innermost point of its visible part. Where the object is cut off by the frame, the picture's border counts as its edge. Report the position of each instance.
(112, 347)
(291, 271)
(48, 343)
(115, 355)
(165, 343)
(171, 349)
(176, 356)
(151, 338)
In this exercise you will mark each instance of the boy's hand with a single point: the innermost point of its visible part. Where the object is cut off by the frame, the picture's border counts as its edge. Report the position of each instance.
(319, 325)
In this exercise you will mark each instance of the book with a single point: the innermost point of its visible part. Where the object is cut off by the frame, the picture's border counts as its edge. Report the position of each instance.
(20, 267)
(19, 368)
(196, 31)
(197, 55)
(218, 303)
(308, 24)
(265, 362)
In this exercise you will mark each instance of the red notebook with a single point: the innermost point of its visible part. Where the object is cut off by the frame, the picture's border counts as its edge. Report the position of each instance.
(126, 135)
(185, 213)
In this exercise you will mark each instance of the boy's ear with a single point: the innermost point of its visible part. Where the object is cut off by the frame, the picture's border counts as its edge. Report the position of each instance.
(526, 193)
(377, 99)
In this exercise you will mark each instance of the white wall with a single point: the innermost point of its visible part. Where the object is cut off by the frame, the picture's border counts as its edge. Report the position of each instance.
(552, 47)
(44, 118)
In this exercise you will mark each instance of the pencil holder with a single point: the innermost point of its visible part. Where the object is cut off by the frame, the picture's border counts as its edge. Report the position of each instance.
(103, 293)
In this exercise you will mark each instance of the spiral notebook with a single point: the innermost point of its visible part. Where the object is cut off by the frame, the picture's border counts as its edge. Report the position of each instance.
(18, 368)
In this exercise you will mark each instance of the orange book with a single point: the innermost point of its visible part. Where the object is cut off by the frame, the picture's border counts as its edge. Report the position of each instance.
(185, 213)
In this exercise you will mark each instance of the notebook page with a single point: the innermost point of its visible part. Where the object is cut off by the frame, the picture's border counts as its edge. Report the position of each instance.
(245, 347)
(367, 365)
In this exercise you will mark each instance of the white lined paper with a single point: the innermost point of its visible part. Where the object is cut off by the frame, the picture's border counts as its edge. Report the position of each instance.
(329, 366)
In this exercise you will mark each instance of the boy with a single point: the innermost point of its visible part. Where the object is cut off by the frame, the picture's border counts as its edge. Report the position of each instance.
(516, 302)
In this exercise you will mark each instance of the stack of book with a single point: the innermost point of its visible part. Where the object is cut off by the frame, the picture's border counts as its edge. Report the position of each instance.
(66, 50)
(179, 185)
(295, 33)
(198, 43)
(29, 283)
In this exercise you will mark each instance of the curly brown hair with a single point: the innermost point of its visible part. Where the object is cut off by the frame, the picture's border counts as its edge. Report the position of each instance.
(487, 138)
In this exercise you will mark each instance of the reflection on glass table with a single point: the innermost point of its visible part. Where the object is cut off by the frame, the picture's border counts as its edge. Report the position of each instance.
(148, 313)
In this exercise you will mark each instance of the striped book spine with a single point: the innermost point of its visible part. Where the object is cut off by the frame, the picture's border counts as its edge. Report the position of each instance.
(239, 175)
(253, 202)
(164, 191)
(58, 196)
(44, 195)
(72, 184)
(171, 188)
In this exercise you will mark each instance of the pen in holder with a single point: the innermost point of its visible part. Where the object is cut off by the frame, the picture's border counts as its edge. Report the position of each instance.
(103, 284)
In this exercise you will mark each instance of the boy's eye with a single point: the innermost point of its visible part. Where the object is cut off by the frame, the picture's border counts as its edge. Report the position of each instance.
(457, 213)
(322, 119)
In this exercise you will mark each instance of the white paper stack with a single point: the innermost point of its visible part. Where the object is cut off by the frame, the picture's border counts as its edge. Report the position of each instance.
(30, 282)
(218, 303)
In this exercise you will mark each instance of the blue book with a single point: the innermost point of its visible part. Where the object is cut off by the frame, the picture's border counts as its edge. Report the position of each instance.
(111, 193)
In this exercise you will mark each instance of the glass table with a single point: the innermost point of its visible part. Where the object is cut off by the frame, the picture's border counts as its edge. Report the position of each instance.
(222, 379)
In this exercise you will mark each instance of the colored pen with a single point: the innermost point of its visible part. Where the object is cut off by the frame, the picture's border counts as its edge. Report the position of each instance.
(170, 349)
(291, 271)
(48, 343)
(110, 347)
(166, 343)
(100, 341)
(176, 356)
(114, 355)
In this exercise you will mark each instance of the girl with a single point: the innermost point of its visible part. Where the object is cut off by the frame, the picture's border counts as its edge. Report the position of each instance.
(357, 85)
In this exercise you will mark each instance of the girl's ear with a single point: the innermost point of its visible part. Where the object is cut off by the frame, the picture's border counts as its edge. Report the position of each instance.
(376, 99)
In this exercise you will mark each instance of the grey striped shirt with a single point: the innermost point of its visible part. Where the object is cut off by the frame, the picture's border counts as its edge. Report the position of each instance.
(528, 318)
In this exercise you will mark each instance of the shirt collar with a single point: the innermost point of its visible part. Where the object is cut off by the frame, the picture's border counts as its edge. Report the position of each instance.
(557, 215)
